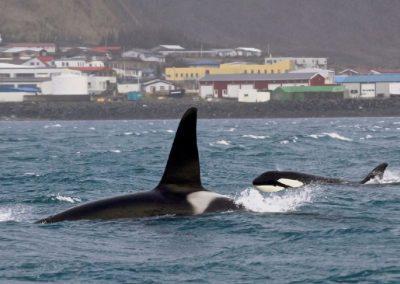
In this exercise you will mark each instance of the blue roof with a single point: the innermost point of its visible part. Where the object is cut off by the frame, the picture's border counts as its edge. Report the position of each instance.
(6, 89)
(369, 78)
(340, 78)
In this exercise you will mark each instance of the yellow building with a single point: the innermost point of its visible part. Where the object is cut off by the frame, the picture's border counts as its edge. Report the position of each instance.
(196, 73)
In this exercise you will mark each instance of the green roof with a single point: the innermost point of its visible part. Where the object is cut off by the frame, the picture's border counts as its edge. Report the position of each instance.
(310, 89)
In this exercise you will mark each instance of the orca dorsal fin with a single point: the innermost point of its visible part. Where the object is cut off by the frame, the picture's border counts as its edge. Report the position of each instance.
(182, 172)
(375, 173)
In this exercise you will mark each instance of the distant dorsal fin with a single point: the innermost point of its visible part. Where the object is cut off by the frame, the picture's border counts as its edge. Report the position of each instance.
(375, 173)
(182, 172)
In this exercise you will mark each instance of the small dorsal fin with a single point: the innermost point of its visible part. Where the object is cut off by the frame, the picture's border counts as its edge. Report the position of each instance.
(375, 173)
(182, 172)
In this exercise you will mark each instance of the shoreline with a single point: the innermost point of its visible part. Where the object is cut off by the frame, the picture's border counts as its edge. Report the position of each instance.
(171, 108)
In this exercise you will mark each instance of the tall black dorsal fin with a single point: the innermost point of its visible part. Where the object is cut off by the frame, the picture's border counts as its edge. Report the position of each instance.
(182, 172)
(375, 173)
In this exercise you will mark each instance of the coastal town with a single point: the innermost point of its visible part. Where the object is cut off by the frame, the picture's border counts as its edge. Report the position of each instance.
(47, 72)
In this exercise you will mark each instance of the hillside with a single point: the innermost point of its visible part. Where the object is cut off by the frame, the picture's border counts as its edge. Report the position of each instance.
(359, 32)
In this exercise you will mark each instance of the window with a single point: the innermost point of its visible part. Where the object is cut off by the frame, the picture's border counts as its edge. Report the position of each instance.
(25, 75)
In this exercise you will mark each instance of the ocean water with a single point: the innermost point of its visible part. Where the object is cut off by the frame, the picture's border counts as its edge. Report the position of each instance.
(317, 234)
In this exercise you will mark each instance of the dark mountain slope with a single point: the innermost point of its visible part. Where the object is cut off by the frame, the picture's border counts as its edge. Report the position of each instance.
(348, 31)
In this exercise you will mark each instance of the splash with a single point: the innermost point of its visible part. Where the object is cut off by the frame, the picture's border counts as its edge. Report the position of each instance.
(67, 198)
(289, 201)
(15, 213)
(388, 177)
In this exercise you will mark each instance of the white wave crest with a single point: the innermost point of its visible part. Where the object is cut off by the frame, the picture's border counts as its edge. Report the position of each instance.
(289, 201)
(52, 125)
(223, 142)
(67, 198)
(170, 131)
(254, 136)
(31, 174)
(115, 151)
(332, 135)
(15, 213)
(128, 133)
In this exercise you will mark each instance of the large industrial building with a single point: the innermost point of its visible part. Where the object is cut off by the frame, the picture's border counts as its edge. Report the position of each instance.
(229, 86)
(195, 73)
(370, 86)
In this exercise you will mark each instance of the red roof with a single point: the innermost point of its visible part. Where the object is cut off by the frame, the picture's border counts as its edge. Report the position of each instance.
(45, 59)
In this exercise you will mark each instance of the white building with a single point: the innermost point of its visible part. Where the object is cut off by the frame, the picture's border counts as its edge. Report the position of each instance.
(66, 84)
(157, 86)
(77, 62)
(370, 86)
(253, 96)
(17, 76)
(99, 84)
(301, 62)
(10, 94)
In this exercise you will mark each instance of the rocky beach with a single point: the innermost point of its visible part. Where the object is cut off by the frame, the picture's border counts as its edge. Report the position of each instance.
(169, 108)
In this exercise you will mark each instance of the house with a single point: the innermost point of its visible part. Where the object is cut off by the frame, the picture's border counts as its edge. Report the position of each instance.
(39, 61)
(248, 51)
(168, 49)
(329, 75)
(229, 85)
(144, 55)
(371, 86)
(158, 86)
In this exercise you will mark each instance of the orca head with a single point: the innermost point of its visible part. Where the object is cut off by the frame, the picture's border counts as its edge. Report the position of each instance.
(274, 181)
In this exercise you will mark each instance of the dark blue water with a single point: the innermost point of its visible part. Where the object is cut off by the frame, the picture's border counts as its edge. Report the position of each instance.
(310, 235)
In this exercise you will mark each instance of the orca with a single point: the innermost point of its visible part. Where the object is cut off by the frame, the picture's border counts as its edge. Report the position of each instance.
(180, 191)
(274, 181)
